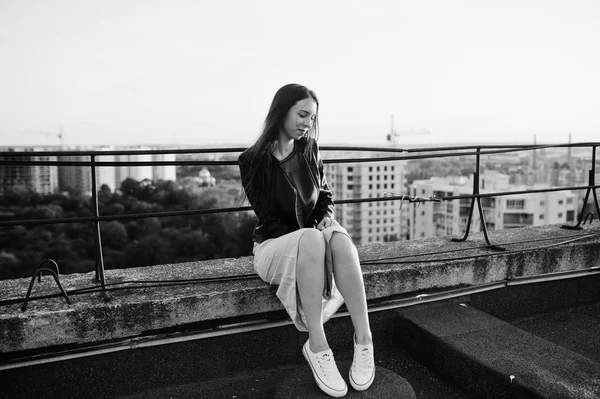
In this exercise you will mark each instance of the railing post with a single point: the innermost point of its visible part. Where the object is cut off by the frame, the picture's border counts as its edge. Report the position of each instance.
(592, 189)
(593, 180)
(477, 198)
(97, 239)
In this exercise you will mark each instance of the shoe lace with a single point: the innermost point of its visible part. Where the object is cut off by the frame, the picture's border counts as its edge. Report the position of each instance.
(363, 360)
(327, 364)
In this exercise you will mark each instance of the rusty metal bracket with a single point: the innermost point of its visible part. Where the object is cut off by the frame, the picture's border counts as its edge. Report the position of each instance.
(590, 216)
(477, 199)
(38, 273)
(581, 220)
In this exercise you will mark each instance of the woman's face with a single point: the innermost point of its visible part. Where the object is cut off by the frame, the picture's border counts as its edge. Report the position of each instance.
(299, 119)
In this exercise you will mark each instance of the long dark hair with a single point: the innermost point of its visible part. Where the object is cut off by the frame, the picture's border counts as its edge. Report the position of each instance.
(260, 152)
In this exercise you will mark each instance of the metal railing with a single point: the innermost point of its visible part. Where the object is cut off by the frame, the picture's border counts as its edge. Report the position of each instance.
(400, 154)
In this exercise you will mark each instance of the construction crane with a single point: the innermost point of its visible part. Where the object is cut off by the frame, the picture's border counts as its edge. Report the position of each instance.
(58, 134)
(394, 135)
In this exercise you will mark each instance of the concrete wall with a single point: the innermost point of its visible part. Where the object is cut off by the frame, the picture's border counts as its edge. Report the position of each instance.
(391, 270)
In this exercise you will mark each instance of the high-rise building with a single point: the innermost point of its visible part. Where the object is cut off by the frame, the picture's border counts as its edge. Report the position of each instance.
(138, 173)
(42, 179)
(164, 172)
(374, 221)
(75, 178)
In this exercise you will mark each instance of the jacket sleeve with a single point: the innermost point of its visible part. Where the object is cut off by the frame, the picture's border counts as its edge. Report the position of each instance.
(325, 204)
(269, 225)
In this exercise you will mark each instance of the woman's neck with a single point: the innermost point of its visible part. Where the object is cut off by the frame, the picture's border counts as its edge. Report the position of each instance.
(283, 148)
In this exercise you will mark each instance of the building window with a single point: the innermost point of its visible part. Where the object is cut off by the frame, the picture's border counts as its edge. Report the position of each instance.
(378, 186)
(560, 215)
(385, 185)
(392, 168)
(370, 230)
(515, 204)
(378, 168)
(370, 168)
(569, 200)
(350, 178)
(370, 188)
(542, 203)
(370, 178)
(385, 177)
(370, 239)
(541, 216)
(350, 187)
(560, 202)
(392, 185)
(385, 168)
(350, 169)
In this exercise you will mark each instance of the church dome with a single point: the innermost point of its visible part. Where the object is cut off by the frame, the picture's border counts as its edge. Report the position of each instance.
(204, 174)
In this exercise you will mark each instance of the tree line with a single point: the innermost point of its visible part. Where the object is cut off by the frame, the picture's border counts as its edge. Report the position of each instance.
(129, 242)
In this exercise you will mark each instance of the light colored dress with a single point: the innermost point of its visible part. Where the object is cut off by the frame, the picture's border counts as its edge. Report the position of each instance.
(275, 262)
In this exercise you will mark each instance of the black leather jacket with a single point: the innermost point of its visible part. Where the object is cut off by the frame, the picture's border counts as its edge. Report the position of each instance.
(296, 196)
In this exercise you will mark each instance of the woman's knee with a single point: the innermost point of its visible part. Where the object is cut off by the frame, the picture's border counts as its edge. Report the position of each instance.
(341, 243)
(312, 245)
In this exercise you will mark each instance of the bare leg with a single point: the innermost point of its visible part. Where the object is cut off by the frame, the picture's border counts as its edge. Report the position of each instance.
(348, 278)
(310, 277)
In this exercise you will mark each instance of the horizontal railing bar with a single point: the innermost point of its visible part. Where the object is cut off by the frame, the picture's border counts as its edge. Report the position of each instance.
(115, 163)
(107, 218)
(508, 148)
(234, 162)
(501, 194)
(469, 196)
(122, 152)
(86, 219)
(514, 147)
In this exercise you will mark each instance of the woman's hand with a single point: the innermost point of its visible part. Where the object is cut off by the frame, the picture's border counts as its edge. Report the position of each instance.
(326, 222)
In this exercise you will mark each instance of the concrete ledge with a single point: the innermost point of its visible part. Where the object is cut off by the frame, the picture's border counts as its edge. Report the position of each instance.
(492, 358)
(134, 312)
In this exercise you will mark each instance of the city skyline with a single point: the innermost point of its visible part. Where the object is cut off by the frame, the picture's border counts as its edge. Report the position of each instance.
(189, 73)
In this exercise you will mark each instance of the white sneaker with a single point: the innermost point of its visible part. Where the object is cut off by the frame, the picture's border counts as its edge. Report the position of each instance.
(325, 371)
(362, 371)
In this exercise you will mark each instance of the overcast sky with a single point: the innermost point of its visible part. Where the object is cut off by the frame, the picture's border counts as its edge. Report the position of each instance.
(204, 72)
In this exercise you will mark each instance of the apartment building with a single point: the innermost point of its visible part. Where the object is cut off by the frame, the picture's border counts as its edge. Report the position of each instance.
(368, 222)
(42, 179)
(501, 212)
(76, 178)
(49, 179)
(537, 209)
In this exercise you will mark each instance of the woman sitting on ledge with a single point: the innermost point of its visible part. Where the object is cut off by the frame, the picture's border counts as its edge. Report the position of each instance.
(297, 243)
